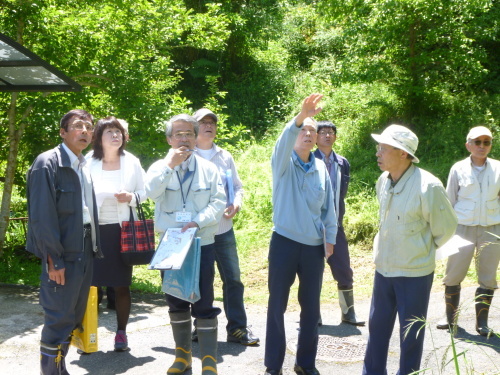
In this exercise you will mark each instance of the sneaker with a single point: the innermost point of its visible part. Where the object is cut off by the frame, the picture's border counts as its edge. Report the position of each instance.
(243, 336)
(305, 371)
(121, 343)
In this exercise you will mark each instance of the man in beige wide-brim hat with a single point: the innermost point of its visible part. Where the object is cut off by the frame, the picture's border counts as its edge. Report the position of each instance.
(415, 218)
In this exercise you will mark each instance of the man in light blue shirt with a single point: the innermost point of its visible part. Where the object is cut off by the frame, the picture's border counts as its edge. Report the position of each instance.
(305, 228)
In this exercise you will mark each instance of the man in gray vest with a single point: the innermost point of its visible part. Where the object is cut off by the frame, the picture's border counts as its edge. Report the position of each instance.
(473, 188)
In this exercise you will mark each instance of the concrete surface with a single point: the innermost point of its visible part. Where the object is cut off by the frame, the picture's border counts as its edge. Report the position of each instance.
(152, 347)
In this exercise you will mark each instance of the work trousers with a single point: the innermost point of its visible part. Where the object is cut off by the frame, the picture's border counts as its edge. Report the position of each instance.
(340, 262)
(64, 305)
(226, 257)
(408, 297)
(203, 308)
(288, 258)
(486, 249)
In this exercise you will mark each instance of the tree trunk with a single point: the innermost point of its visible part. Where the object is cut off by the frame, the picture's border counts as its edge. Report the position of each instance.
(412, 100)
(15, 134)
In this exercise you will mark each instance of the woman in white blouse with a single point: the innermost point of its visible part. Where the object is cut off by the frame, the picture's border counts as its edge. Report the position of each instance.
(116, 175)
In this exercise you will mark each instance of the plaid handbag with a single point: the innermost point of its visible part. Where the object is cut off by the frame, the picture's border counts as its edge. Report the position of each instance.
(137, 238)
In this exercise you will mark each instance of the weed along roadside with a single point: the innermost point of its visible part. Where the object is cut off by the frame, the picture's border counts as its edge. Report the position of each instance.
(152, 346)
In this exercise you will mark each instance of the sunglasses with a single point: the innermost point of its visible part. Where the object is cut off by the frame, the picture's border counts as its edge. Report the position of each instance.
(478, 142)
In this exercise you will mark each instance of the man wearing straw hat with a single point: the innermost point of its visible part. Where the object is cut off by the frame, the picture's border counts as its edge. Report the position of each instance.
(416, 217)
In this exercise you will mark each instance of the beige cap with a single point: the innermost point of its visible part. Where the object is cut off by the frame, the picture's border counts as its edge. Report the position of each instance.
(199, 114)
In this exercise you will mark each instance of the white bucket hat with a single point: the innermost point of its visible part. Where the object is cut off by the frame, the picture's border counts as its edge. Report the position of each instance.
(400, 137)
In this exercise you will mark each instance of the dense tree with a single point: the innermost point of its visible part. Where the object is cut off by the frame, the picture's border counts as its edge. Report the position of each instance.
(420, 47)
(434, 64)
(120, 51)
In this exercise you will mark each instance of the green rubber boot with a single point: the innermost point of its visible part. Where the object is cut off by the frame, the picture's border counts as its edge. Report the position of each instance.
(181, 327)
(207, 338)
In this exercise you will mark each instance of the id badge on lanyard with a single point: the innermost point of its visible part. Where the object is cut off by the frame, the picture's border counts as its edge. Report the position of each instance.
(184, 216)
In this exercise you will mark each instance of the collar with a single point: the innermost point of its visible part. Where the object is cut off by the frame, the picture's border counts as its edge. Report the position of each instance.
(400, 184)
(472, 164)
(75, 161)
(215, 149)
(306, 166)
(332, 157)
(189, 163)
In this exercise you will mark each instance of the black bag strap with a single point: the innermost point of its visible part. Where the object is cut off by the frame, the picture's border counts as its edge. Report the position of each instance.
(142, 217)
(132, 226)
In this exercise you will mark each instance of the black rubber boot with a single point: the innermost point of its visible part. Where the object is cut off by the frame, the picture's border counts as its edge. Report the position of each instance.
(181, 327)
(64, 351)
(483, 303)
(346, 301)
(452, 300)
(51, 360)
(207, 338)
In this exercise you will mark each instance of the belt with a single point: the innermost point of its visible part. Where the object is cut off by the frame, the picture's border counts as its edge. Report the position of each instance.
(87, 230)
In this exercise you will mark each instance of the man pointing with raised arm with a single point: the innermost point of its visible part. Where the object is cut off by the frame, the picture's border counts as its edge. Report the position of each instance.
(304, 215)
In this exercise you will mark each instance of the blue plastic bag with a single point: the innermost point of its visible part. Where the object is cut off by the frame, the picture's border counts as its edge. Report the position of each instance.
(185, 282)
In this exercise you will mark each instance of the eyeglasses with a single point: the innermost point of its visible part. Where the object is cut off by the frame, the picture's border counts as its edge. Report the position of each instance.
(80, 125)
(322, 132)
(382, 149)
(188, 135)
(206, 123)
(478, 142)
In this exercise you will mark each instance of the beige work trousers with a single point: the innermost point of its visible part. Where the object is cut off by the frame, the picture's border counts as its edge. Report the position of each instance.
(485, 249)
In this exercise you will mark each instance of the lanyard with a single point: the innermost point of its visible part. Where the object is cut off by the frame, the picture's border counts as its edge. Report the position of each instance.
(186, 176)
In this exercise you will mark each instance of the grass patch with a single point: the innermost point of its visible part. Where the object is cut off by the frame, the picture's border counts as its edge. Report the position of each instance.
(19, 266)
(253, 228)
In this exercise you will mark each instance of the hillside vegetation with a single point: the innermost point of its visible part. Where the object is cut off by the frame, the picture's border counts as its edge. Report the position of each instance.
(432, 65)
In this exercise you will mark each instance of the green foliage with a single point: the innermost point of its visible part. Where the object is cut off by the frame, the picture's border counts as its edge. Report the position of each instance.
(147, 281)
(361, 218)
(417, 46)
(432, 65)
(254, 169)
(19, 267)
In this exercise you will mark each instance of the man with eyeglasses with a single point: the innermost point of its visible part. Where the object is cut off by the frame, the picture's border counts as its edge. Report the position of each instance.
(340, 264)
(226, 253)
(474, 188)
(304, 232)
(188, 193)
(62, 214)
(415, 218)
